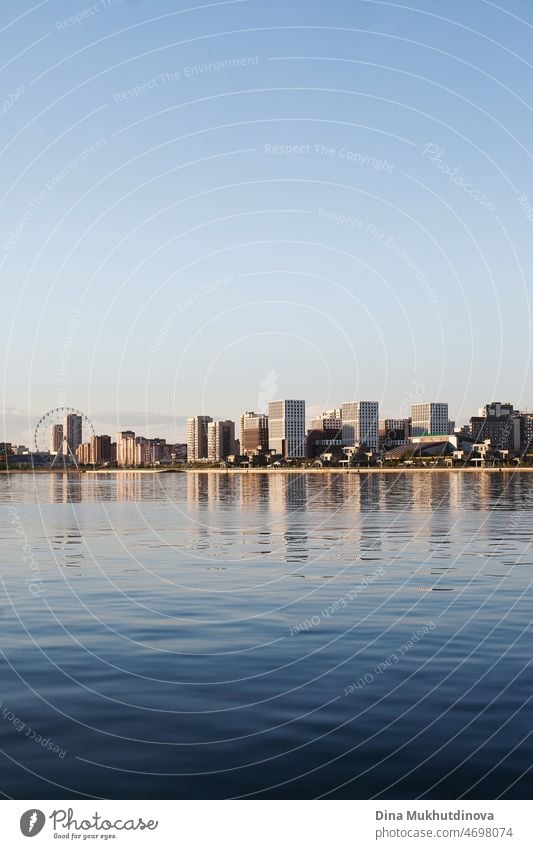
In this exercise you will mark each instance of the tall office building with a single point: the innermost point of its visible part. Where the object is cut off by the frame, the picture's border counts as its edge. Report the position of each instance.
(429, 419)
(360, 420)
(220, 440)
(56, 439)
(286, 428)
(254, 433)
(72, 433)
(126, 454)
(197, 438)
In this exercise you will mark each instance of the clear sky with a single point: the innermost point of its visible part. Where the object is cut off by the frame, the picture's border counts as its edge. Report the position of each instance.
(207, 205)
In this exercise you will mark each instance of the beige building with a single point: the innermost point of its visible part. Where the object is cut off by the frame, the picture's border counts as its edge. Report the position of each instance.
(253, 433)
(126, 455)
(220, 440)
(83, 453)
(197, 438)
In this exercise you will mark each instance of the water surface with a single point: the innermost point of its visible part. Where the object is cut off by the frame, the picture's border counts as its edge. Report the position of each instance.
(212, 636)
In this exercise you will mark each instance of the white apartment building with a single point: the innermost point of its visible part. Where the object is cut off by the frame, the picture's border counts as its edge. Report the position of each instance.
(197, 438)
(360, 424)
(429, 419)
(286, 428)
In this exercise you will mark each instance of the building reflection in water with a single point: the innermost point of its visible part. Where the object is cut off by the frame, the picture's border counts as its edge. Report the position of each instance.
(66, 488)
(287, 504)
(67, 545)
(128, 486)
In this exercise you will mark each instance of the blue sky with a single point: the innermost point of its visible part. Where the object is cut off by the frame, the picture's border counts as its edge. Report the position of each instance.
(204, 205)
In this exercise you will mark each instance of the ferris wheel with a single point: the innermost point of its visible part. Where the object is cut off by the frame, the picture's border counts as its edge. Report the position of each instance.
(60, 431)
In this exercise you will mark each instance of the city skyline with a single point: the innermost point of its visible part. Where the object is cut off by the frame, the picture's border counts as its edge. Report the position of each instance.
(19, 428)
(341, 433)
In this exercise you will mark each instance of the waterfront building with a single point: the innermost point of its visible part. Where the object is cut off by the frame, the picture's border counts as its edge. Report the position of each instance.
(178, 452)
(72, 433)
(100, 449)
(526, 432)
(360, 421)
(502, 425)
(220, 440)
(56, 439)
(126, 454)
(430, 419)
(158, 451)
(393, 432)
(286, 428)
(197, 438)
(325, 434)
(254, 435)
(83, 453)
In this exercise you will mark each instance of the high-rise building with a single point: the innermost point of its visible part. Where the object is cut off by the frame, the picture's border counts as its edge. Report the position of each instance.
(83, 453)
(429, 419)
(56, 439)
(197, 438)
(100, 449)
(253, 433)
(360, 420)
(142, 451)
(126, 454)
(220, 440)
(286, 428)
(159, 452)
(72, 433)
(526, 432)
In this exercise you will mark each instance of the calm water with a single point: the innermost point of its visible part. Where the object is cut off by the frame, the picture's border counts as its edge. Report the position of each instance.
(292, 636)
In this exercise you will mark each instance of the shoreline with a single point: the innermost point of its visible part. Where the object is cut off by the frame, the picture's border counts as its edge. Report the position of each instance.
(372, 470)
(363, 471)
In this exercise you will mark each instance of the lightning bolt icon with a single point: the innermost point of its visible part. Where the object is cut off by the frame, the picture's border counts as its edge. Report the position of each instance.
(33, 820)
